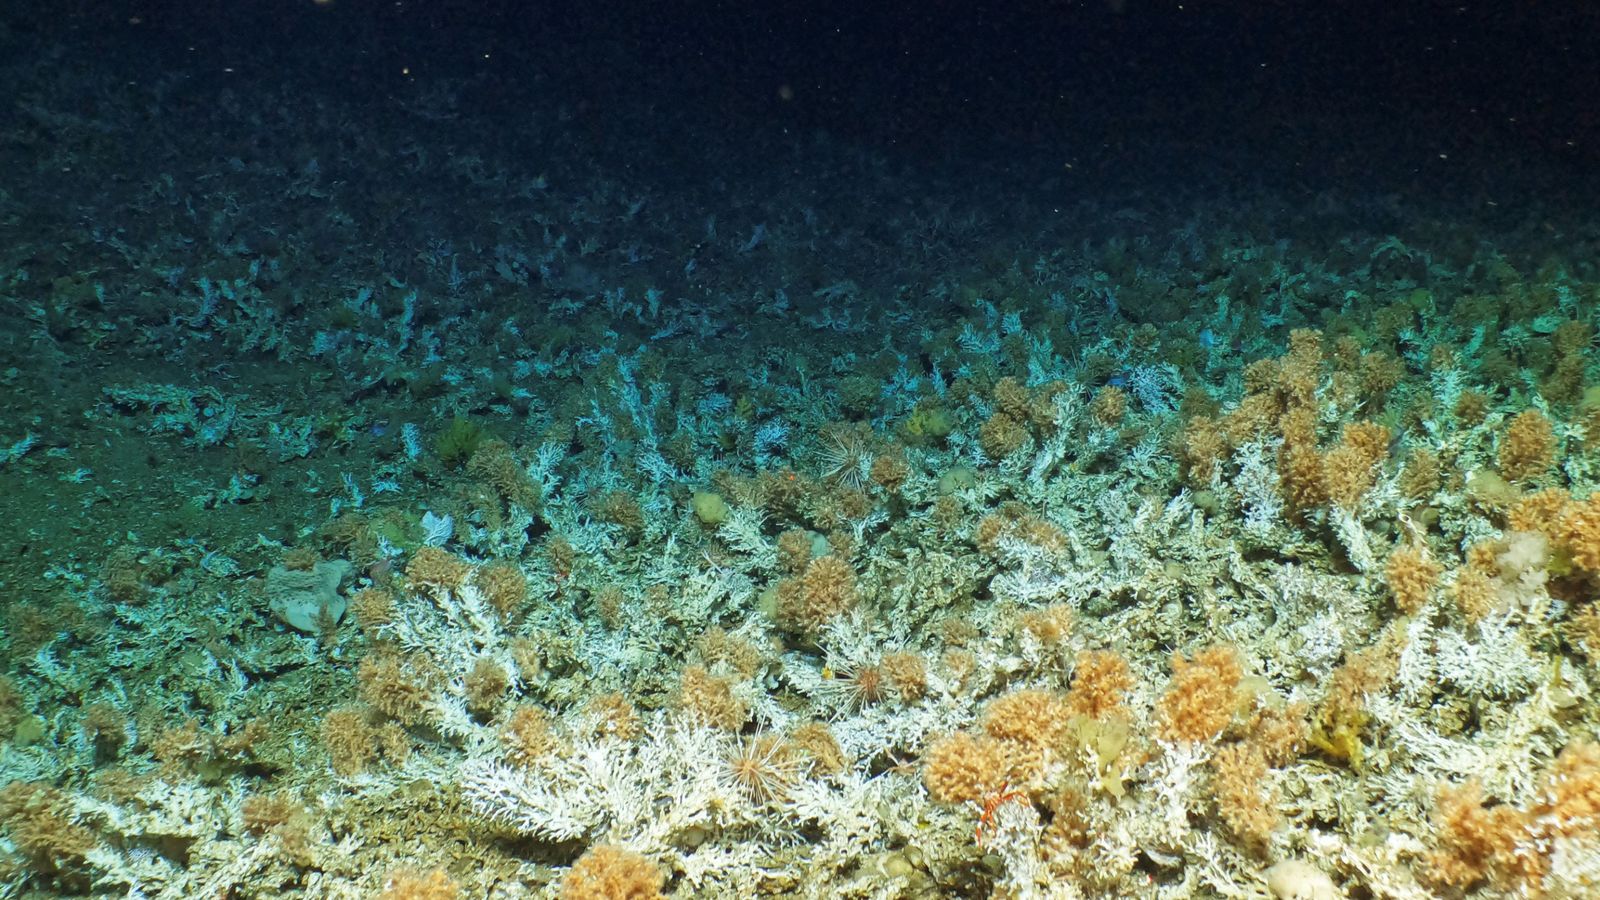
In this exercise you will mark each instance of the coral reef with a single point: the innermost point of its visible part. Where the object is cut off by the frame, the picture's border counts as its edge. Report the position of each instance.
(823, 528)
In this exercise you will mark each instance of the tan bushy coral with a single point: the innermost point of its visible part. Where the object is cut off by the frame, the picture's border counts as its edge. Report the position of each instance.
(1254, 417)
(1588, 418)
(613, 715)
(260, 813)
(1568, 804)
(1511, 847)
(1261, 376)
(1109, 406)
(486, 684)
(607, 872)
(349, 741)
(124, 575)
(433, 569)
(397, 686)
(105, 727)
(1026, 716)
(1070, 829)
(794, 550)
(1378, 374)
(907, 674)
(561, 556)
(180, 749)
(13, 707)
(621, 508)
(1583, 630)
(41, 825)
(826, 588)
(709, 699)
(610, 603)
(1010, 397)
(961, 768)
(1001, 435)
(1411, 575)
(1300, 467)
(818, 748)
(189, 749)
(1049, 625)
(1278, 731)
(1350, 469)
(351, 536)
(779, 492)
(1475, 842)
(527, 655)
(505, 587)
(1300, 370)
(373, 608)
(1528, 448)
(1580, 533)
(1204, 448)
(1245, 801)
(1015, 522)
(739, 655)
(890, 470)
(1564, 384)
(1339, 719)
(1202, 697)
(1042, 410)
(526, 736)
(355, 744)
(287, 820)
(1541, 512)
(494, 466)
(1475, 593)
(1421, 475)
(959, 665)
(1472, 407)
(1101, 680)
(301, 559)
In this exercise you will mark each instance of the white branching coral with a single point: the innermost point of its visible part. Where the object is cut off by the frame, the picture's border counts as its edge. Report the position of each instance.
(742, 531)
(1497, 664)
(643, 795)
(685, 786)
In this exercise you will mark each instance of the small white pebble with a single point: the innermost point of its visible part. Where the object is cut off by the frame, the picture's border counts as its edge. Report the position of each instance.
(1295, 880)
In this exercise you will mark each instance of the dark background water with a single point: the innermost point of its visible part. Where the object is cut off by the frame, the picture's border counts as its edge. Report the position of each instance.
(1376, 91)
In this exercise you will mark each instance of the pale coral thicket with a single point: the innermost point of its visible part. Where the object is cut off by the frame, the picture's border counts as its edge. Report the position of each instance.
(38, 820)
(1511, 847)
(411, 884)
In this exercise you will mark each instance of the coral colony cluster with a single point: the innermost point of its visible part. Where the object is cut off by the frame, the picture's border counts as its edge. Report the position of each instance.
(401, 516)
